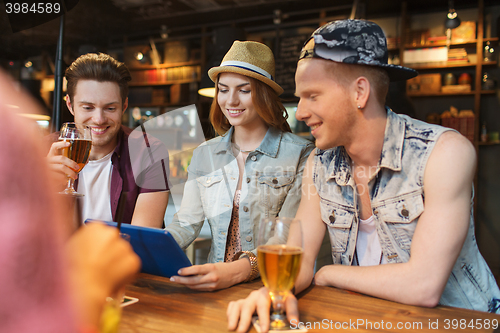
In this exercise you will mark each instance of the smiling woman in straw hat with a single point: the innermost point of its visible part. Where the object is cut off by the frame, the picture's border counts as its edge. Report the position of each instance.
(253, 170)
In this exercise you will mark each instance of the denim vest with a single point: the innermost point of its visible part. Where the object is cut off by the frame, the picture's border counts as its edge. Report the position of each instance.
(271, 186)
(397, 200)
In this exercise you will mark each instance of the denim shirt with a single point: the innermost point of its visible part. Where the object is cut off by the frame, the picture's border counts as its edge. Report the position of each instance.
(271, 186)
(397, 201)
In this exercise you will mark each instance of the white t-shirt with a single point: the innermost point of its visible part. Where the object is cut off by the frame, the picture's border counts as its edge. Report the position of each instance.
(368, 249)
(94, 181)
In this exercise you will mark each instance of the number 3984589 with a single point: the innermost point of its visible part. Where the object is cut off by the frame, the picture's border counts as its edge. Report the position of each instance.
(33, 8)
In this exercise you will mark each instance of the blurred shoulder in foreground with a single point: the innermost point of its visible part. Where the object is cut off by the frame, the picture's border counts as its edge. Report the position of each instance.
(46, 284)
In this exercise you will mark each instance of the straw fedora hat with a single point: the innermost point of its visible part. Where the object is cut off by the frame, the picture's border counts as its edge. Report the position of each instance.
(251, 59)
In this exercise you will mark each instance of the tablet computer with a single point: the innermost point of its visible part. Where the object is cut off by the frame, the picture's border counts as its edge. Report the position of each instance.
(159, 252)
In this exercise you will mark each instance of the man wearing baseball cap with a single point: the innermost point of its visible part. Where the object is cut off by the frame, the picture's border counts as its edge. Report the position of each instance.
(394, 193)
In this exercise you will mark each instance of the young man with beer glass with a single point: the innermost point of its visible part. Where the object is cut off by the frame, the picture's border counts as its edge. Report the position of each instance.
(97, 97)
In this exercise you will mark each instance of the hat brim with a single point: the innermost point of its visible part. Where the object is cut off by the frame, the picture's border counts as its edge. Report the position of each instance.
(214, 72)
(398, 73)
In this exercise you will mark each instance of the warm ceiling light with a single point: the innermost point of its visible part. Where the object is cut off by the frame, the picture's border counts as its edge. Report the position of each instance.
(139, 56)
(28, 64)
(207, 92)
(452, 21)
(35, 116)
(277, 16)
(164, 32)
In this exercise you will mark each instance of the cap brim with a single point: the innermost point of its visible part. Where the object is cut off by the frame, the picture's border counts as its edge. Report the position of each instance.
(399, 73)
(215, 71)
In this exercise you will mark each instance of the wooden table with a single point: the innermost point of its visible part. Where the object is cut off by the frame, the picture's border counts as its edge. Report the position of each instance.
(165, 306)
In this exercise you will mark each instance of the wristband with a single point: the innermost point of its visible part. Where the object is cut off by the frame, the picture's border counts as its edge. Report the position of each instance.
(254, 272)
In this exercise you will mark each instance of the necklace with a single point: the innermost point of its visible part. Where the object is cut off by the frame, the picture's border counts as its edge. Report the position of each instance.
(239, 149)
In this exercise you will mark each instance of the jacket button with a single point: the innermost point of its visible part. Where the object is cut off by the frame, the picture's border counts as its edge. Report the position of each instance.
(332, 218)
(253, 158)
(375, 212)
(245, 209)
(248, 238)
(248, 180)
(405, 212)
(208, 180)
(275, 181)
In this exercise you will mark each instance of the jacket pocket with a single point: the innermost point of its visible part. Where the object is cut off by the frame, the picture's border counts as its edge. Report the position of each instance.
(276, 182)
(209, 180)
(212, 191)
(273, 190)
(401, 214)
(339, 222)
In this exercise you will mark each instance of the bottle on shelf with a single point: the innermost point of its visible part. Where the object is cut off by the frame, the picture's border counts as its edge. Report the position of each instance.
(489, 52)
(484, 133)
(487, 82)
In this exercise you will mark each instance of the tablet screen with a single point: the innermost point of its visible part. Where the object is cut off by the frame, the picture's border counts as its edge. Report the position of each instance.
(159, 252)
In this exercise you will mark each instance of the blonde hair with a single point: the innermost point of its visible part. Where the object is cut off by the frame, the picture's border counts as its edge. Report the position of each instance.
(266, 102)
(345, 74)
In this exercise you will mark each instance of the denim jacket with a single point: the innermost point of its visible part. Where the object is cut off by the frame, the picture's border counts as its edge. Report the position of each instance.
(271, 186)
(397, 200)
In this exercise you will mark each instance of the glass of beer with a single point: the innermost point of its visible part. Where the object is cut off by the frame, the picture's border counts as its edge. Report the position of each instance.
(112, 312)
(279, 255)
(80, 138)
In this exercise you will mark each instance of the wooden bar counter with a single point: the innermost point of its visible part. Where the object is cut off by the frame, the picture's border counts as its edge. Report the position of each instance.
(165, 306)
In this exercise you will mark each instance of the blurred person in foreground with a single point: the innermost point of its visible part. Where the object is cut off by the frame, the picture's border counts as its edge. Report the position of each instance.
(50, 281)
(394, 193)
(97, 97)
(253, 170)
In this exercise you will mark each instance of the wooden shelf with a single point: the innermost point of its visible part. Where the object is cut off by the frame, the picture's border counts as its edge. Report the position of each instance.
(439, 93)
(444, 43)
(493, 143)
(150, 105)
(441, 65)
(164, 83)
(489, 63)
(169, 65)
(488, 92)
(492, 39)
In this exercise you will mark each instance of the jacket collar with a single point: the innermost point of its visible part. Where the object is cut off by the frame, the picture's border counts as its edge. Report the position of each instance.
(118, 149)
(269, 145)
(392, 150)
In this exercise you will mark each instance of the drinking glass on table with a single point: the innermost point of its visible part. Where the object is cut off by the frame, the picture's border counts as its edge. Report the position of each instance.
(80, 138)
(112, 312)
(279, 255)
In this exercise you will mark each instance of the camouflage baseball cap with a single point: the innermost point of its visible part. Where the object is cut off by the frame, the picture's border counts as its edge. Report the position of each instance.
(354, 42)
